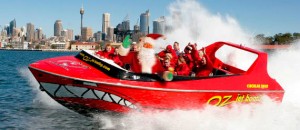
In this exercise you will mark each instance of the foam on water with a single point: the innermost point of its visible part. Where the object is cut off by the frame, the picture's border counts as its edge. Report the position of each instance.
(40, 97)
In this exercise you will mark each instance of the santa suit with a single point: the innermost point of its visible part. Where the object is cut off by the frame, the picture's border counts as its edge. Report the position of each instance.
(139, 63)
(132, 59)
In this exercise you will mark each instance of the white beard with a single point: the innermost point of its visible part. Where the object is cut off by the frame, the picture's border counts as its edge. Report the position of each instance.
(147, 59)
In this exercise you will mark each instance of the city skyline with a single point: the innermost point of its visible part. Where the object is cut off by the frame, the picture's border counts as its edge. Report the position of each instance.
(268, 17)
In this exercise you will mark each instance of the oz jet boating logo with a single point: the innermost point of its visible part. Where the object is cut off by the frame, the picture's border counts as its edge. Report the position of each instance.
(66, 64)
(221, 101)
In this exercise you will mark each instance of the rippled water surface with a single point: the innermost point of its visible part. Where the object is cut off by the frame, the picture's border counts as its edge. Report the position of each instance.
(23, 106)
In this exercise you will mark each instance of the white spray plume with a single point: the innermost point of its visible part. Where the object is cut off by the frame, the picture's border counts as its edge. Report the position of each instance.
(191, 22)
(284, 65)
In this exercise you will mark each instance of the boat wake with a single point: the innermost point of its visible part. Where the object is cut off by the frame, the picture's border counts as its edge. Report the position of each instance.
(41, 98)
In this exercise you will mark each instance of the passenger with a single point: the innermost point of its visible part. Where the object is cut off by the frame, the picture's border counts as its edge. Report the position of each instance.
(167, 64)
(170, 50)
(107, 51)
(203, 65)
(134, 47)
(182, 68)
(188, 56)
(176, 48)
(115, 57)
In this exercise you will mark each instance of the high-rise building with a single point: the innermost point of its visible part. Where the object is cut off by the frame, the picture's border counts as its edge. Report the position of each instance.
(81, 13)
(105, 22)
(144, 22)
(87, 33)
(6, 27)
(64, 33)
(30, 32)
(126, 25)
(98, 36)
(16, 32)
(12, 25)
(36, 35)
(136, 28)
(159, 25)
(39, 34)
(58, 28)
(110, 34)
(70, 35)
(23, 31)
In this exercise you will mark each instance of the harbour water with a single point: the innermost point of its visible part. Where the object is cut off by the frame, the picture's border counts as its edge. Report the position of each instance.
(22, 105)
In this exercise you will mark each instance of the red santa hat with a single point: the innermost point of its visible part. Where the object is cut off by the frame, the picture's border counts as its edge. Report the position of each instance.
(154, 36)
(149, 40)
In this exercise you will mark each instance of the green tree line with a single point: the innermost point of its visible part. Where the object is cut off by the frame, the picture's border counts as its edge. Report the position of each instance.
(278, 39)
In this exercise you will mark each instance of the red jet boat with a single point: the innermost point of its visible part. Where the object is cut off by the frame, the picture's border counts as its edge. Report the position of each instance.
(86, 83)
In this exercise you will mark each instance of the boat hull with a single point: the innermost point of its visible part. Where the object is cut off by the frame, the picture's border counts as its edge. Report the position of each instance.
(86, 96)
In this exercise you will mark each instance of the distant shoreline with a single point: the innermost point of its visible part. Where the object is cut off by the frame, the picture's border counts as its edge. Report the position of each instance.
(51, 50)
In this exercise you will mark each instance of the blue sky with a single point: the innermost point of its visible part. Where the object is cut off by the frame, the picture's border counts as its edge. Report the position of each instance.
(255, 16)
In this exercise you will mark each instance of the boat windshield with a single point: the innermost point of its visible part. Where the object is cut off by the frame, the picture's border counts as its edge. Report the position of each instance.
(236, 57)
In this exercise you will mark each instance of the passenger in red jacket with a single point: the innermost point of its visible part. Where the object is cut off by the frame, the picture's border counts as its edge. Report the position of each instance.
(203, 65)
(170, 50)
(182, 68)
(115, 57)
(167, 63)
(105, 54)
(188, 56)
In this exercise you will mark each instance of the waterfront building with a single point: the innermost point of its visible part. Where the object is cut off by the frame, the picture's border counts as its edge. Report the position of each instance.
(84, 46)
(159, 25)
(87, 33)
(12, 25)
(60, 45)
(58, 28)
(144, 22)
(105, 22)
(30, 32)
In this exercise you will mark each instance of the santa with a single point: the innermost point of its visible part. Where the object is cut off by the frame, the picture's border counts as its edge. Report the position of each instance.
(144, 60)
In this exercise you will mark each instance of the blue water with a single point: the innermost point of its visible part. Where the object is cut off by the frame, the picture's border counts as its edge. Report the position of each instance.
(23, 106)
